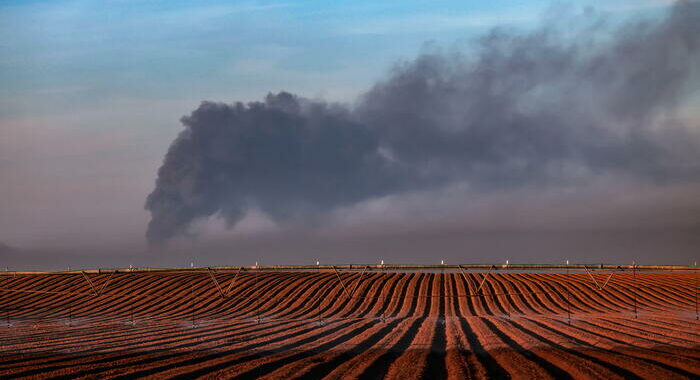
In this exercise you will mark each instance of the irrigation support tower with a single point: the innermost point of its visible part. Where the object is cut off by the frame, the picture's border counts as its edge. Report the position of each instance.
(697, 313)
(634, 287)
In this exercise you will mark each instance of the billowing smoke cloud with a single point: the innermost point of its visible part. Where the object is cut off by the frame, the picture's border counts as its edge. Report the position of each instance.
(542, 108)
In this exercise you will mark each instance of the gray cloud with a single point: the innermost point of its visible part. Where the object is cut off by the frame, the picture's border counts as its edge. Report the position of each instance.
(552, 106)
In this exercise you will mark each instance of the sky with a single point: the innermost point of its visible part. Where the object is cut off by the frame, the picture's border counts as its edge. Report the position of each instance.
(92, 94)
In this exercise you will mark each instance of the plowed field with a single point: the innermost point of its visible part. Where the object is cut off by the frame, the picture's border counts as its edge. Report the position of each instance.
(311, 325)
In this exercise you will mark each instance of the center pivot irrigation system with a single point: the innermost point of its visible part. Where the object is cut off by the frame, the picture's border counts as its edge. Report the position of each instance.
(17, 297)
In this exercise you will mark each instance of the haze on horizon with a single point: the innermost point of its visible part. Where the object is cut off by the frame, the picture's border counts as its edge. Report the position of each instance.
(303, 131)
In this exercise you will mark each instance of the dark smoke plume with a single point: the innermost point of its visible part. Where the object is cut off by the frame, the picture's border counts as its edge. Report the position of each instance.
(546, 107)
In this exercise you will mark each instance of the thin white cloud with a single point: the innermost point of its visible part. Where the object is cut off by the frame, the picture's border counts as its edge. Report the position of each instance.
(208, 13)
(432, 23)
(633, 5)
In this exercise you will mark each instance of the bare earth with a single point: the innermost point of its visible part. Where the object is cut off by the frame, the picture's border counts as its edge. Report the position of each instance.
(287, 325)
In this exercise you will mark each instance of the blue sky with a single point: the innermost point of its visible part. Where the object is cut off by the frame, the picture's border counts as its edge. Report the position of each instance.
(91, 92)
(81, 53)
(77, 53)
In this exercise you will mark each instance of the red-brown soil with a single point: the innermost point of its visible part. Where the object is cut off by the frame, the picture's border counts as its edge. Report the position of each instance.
(287, 325)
